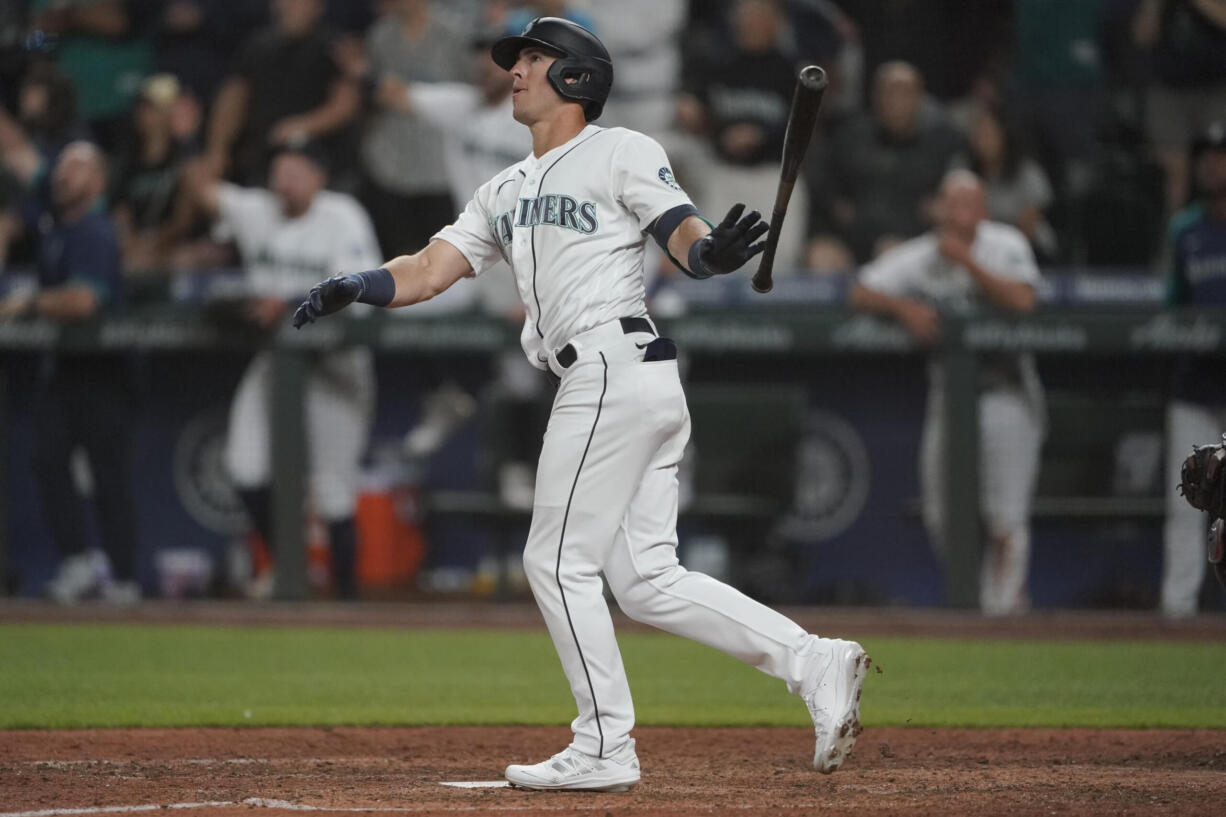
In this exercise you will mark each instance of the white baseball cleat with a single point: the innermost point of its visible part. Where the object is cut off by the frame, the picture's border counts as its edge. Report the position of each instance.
(569, 770)
(832, 693)
(76, 579)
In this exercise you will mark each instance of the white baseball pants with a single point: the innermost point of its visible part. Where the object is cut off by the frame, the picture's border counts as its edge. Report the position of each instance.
(606, 502)
(339, 406)
(1010, 439)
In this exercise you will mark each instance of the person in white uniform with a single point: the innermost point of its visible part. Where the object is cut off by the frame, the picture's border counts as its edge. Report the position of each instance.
(572, 220)
(287, 237)
(964, 263)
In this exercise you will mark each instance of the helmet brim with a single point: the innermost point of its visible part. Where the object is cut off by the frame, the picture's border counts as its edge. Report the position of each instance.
(505, 52)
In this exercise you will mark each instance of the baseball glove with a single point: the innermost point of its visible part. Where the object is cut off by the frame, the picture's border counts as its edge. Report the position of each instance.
(1202, 479)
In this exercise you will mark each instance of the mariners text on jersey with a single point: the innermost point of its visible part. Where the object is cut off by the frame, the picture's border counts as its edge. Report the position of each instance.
(556, 209)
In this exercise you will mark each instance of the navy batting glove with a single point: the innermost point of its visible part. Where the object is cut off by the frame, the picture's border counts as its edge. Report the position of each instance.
(727, 247)
(327, 297)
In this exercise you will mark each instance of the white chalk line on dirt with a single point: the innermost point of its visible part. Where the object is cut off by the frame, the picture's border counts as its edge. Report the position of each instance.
(210, 761)
(57, 812)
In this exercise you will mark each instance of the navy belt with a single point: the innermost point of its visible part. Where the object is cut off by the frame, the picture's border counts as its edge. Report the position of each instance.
(567, 354)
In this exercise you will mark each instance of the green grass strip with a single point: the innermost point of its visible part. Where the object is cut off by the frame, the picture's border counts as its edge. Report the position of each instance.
(59, 676)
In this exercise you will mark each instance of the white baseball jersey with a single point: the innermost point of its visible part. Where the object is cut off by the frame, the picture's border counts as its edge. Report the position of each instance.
(572, 226)
(1010, 406)
(916, 268)
(481, 140)
(285, 257)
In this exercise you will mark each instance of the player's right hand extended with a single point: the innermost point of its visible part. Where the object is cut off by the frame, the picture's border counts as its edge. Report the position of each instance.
(327, 297)
(731, 244)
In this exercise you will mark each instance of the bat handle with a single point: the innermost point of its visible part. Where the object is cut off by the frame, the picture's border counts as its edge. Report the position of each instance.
(763, 279)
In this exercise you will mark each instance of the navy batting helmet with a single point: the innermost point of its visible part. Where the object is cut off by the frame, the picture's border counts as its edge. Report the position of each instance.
(584, 72)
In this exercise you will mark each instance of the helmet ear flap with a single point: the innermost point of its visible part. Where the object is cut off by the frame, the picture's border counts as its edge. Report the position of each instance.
(581, 81)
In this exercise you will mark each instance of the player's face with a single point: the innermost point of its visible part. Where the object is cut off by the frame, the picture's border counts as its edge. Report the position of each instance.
(78, 176)
(532, 97)
(961, 207)
(296, 180)
(896, 100)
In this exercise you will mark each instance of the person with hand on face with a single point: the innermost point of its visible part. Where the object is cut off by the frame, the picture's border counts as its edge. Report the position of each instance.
(964, 263)
(572, 220)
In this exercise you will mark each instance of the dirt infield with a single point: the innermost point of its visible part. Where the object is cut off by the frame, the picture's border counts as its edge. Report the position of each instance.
(256, 772)
(848, 622)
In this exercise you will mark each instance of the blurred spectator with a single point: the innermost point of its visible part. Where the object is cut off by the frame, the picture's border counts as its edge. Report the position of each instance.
(966, 262)
(1058, 89)
(521, 13)
(883, 168)
(405, 178)
(195, 40)
(14, 54)
(953, 44)
(738, 95)
(1186, 41)
(47, 115)
(1196, 413)
(285, 88)
(1119, 216)
(1017, 187)
(145, 179)
(352, 18)
(648, 60)
(84, 402)
(47, 110)
(289, 236)
(826, 35)
(103, 48)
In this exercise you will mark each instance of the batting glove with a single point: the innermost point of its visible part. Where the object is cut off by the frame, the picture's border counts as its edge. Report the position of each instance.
(727, 247)
(327, 297)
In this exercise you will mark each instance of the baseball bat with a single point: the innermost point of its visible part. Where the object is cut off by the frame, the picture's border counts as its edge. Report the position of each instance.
(802, 119)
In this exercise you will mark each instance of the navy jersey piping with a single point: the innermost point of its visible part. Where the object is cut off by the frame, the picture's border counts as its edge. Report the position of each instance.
(540, 185)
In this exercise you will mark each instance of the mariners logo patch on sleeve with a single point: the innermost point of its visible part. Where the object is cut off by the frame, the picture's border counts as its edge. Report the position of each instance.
(666, 176)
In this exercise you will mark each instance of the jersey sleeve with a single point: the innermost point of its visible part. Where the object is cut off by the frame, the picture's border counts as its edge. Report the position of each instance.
(1017, 261)
(895, 270)
(643, 179)
(242, 213)
(443, 104)
(473, 236)
(356, 247)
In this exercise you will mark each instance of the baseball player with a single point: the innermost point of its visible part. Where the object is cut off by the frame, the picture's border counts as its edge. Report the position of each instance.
(572, 220)
(968, 261)
(287, 236)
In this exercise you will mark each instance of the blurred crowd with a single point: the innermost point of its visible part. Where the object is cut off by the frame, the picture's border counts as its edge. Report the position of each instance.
(1080, 116)
(294, 139)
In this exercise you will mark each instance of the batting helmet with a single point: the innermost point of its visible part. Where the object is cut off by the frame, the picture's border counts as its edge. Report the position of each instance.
(584, 72)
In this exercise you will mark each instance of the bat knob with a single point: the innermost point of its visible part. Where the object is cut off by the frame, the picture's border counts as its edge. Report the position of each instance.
(814, 77)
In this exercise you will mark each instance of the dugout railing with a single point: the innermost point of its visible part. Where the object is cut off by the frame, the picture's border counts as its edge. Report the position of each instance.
(1115, 337)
